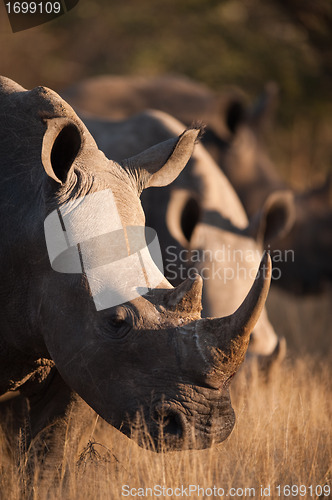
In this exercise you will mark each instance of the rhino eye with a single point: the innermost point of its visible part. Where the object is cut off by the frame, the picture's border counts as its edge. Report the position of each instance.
(120, 323)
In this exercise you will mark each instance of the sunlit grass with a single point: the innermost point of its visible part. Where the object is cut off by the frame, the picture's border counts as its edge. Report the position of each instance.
(282, 437)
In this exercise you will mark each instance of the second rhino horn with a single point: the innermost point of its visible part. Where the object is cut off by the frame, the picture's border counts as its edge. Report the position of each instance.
(187, 297)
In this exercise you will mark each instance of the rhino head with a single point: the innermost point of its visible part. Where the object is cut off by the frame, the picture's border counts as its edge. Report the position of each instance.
(152, 356)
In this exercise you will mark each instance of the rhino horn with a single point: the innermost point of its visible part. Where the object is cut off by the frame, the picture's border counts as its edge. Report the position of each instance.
(187, 297)
(225, 340)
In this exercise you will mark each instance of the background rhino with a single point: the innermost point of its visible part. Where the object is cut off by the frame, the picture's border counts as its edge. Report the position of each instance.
(152, 356)
(234, 138)
(244, 159)
(201, 223)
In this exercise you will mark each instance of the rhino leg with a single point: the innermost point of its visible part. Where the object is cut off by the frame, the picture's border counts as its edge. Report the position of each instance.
(48, 433)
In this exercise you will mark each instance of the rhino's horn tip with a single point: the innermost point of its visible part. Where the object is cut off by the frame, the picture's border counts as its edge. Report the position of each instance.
(188, 295)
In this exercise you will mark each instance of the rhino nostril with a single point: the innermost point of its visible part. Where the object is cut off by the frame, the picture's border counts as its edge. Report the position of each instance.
(170, 423)
(173, 425)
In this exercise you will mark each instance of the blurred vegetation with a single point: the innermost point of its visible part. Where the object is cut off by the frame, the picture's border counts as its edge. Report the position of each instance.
(218, 42)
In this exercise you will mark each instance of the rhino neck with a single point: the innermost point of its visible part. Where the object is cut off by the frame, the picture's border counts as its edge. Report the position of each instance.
(22, 355)
(21, 344)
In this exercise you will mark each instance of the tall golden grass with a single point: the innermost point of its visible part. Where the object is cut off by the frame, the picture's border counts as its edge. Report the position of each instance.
(282, 435)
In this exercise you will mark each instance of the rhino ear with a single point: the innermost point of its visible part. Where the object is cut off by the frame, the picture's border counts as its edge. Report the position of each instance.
(235, 114)
(161, 164)
(183, 214)
(61, 144)
(275, 219)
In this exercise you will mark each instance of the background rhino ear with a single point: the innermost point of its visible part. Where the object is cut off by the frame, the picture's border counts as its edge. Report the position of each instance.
(183, 214)
(61, 144)
(235, 114)
(275, 219)
(161, 164)
(259, 116)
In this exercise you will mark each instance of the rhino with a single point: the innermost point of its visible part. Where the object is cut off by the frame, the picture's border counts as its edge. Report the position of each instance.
(202, 225)
(234, 137)
(152, 356)
(249, 168)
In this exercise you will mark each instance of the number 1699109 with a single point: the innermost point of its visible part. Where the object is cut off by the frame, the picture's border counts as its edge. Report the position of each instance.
(33, 7)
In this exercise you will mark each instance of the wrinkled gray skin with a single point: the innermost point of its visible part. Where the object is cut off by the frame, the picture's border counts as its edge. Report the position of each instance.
(153, 355)
(234, 137)
(198, 216)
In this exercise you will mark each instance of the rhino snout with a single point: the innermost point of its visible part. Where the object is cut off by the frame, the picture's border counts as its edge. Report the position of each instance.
(173, 427)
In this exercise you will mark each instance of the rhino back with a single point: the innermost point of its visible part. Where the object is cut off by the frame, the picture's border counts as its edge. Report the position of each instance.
(119, 97)
(202, 175)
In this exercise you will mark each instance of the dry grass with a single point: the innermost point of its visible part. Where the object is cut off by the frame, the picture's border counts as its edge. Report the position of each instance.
(282, 435)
